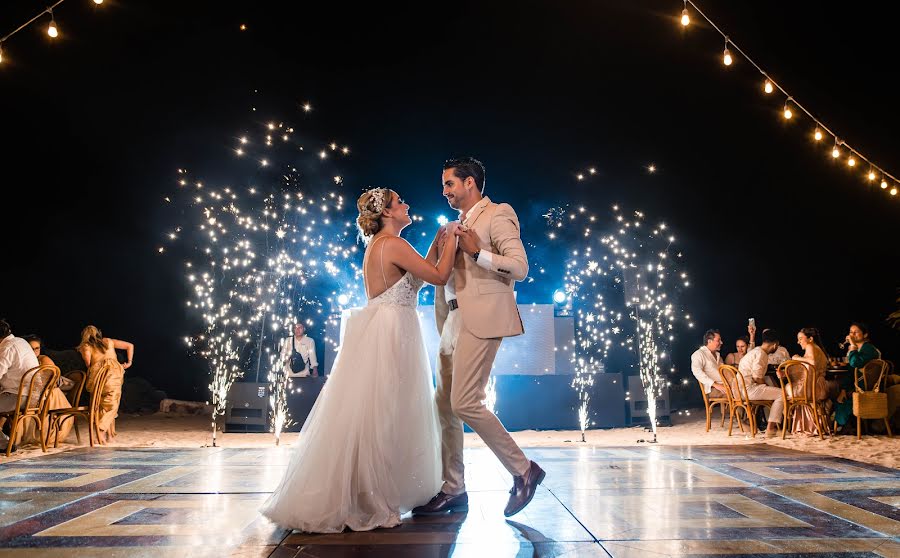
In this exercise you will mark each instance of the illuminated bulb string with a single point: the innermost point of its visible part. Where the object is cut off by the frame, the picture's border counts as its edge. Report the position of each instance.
(52, 29)
(771, 83)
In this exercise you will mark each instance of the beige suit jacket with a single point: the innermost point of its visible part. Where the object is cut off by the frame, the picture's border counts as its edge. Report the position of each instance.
(485, 296)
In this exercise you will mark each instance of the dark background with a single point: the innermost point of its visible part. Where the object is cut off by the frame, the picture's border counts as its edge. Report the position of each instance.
(94, 125)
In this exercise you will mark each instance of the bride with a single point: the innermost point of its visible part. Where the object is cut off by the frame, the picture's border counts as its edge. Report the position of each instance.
(370, 449)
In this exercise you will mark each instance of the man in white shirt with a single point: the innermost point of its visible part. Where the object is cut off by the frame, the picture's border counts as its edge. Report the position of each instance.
(16, 358)
(753, 368)
(298, 354)
(705, 364)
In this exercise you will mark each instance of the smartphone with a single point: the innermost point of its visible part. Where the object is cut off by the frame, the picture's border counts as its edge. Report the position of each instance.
(752, 322)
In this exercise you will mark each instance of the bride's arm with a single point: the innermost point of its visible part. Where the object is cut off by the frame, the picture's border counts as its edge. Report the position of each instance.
(405, 257)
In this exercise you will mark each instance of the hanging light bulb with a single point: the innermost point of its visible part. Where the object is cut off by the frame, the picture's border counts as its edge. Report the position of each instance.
(871, 176)
(818, 134)
(883, 183)
(894, 191)
(836, 152)
(787, 111)
(1, 53)
(98, 2)
(851, 162)
(726, 56)
(51, 29)
(685, 18)
(768, 87)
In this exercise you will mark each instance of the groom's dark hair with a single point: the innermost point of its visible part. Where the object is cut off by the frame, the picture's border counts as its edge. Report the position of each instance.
(464, 167)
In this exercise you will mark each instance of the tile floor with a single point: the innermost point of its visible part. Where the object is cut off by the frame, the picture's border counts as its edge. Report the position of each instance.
(622, 502)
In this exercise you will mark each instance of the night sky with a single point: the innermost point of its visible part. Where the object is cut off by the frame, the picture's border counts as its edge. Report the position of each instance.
(94, 126)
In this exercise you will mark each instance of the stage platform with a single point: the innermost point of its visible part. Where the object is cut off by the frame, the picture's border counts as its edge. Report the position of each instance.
(653, 501)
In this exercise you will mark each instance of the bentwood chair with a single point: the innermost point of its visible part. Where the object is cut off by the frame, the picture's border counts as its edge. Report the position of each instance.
(33, 397)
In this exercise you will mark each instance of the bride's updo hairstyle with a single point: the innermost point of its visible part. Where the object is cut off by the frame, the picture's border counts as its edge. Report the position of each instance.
(370, 205)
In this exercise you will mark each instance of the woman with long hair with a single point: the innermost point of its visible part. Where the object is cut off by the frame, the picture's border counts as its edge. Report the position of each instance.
(810, 341)
(99, 354)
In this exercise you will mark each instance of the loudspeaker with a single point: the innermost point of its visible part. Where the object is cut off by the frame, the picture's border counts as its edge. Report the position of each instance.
(248, 408)
(638, 406)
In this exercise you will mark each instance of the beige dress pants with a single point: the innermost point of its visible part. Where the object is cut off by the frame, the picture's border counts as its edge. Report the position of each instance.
(463, 370)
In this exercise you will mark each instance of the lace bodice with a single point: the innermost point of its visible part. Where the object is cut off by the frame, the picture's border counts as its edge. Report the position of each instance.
(404, 292)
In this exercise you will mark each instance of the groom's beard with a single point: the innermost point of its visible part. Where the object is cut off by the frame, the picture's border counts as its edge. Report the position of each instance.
(454, 202)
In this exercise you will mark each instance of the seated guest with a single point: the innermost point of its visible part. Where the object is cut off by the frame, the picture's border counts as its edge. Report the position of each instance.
(16, 358)
(705, 364)
(57, 399)
(753, 369)
(780, 355)
(809, 340)
(859, 352)
(38, 347)
(742, 345)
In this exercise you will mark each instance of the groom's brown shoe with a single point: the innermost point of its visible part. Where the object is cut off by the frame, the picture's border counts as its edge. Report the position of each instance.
(523, 489)
(443, 504)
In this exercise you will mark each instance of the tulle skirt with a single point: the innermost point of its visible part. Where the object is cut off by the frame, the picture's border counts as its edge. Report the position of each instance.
(370, 449)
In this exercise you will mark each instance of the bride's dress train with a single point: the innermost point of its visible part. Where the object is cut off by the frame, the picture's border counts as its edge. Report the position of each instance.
(370, 449)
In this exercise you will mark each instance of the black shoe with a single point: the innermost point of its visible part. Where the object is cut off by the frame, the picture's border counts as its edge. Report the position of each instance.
(524, 489)
(444, 503)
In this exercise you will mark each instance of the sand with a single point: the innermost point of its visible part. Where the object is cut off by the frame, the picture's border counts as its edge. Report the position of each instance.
(175, 430)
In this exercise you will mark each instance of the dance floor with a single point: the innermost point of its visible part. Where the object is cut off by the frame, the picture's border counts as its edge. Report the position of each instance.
(752, 500)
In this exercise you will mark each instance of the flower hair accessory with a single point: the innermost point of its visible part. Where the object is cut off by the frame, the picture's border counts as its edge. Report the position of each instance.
(378, 200)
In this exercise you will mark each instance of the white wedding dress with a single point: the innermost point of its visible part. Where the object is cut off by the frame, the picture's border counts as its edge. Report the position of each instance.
(370, 449)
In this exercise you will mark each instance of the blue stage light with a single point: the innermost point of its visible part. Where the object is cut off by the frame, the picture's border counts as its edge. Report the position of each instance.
(559, 296)
(442, 220)
(343, 299)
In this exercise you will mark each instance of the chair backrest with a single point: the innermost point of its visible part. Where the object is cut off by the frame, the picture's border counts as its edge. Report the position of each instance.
(873, 373)
(35, 387)
(803, 384)
(727, 373)
(79, 377)
(99, 386)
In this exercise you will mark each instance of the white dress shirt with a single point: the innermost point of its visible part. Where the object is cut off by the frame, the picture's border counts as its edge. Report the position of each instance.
(16, 358)
(705, 366)
(484, 259)
(753, 365)
(307, 349)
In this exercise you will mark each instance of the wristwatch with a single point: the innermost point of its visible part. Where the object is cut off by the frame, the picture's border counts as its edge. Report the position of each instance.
(475, 255)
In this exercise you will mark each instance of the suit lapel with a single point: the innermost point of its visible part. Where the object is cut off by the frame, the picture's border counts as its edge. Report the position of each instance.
(479, 209)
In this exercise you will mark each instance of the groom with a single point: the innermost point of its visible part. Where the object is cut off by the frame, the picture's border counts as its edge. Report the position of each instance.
(474, 312)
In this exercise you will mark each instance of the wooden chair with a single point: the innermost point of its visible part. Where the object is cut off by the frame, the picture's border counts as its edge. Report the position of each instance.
(737, 387)
(79, 377)
(799, 398)
(709, 403)
(89, 412)
(33, 401)
(870, 402)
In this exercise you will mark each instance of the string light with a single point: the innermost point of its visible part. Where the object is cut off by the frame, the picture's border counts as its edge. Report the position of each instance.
(769, 87)
(685, 18)
(51, 29)
(894, 191)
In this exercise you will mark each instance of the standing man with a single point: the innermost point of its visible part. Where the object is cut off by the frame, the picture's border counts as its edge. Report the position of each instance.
(474, 312)
(16, 358)
(298, 354)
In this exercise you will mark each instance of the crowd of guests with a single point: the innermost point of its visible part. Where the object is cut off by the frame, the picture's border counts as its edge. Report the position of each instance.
(20, 356)
(756, 364)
